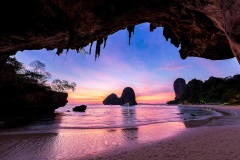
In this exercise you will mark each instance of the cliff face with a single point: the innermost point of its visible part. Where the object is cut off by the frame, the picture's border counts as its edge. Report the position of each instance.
(29, 103)
(128, 96)
(179, 86)
(206, 28)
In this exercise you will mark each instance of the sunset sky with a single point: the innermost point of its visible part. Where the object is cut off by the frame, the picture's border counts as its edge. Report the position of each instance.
(149, 65)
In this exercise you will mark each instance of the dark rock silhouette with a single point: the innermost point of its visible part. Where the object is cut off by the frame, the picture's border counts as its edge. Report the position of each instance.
(179, 87)
(112, 99)
(201, 33)
(127, 97)
(193, 91)
(81, 108)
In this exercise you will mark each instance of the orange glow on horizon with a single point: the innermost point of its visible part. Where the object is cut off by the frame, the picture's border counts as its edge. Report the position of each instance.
(156, 98)
(97, 97)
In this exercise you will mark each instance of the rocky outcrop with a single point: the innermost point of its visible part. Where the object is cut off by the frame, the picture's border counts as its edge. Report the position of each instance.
(127, 97)
(206, 28)
(193, 90)
(29, 107)
(112, 99)
(25, 98)
(179, 87)
(81, 108)
(31, 104)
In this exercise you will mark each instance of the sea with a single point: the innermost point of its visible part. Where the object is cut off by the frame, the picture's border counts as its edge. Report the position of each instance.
(100, 129)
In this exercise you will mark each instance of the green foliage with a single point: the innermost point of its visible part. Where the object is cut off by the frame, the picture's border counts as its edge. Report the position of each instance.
(174, 102)
(192, 91)
(232, 96)
(214, 90)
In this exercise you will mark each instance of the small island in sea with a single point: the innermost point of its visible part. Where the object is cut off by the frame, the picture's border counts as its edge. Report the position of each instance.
(127, 98)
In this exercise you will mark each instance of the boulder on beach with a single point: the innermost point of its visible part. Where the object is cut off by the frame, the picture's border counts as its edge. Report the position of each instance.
(81, 108)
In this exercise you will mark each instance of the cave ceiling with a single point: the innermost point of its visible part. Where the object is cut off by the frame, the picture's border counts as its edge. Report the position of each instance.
(202, 28)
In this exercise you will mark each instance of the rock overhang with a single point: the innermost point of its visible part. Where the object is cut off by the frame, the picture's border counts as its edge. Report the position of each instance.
(203, 28)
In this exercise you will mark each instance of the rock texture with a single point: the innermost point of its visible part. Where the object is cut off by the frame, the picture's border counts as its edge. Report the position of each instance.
(203, 28)
(112, 99)
(179, 87)
(27, 104)
(128, 96)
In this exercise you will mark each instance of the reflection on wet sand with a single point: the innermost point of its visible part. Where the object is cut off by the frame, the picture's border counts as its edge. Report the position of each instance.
(75, 143)
(27, 146)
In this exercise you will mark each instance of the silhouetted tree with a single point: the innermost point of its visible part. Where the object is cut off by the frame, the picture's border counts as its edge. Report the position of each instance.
(38, 73)
(62, 85)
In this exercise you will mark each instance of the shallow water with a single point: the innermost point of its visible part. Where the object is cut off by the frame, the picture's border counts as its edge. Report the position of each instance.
(100, 116)
(73, 135)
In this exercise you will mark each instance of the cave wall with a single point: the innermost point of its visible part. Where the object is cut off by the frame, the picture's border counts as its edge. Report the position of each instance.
(203, 28)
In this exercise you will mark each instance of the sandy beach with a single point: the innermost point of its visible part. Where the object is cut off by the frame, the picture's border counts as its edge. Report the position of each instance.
(214, 138)
(217, 140)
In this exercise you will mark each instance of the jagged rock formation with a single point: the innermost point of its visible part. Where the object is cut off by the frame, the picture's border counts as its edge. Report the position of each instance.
(128, 96)
(206, 28)
(24, 99)
(179, 86)
(112, 99)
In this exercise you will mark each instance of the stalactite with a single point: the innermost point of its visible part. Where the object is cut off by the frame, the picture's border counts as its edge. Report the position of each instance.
(78, 49)
(169, 34)
(166, 32)
(98, 48)
(130, 32)
(152, 27)
(71, 37)
(65, 58)
(90, 50)
(59, 51)
(105, 42)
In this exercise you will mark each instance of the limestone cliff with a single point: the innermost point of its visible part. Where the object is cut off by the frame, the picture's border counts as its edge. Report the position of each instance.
(179, 86)
(128, 96)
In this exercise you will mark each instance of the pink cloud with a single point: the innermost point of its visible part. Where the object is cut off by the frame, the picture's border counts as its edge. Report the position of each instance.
(171, 67)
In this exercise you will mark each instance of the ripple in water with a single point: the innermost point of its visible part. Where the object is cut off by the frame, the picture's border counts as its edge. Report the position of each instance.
(100, 116)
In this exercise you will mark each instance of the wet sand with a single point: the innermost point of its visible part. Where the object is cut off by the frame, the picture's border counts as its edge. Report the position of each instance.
(217, 140)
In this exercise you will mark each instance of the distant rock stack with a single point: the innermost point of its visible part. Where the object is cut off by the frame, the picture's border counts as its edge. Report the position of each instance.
(112, 99)
(128, 97)
(179, 86)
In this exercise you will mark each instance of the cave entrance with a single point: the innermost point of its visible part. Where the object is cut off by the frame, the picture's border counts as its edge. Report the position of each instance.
(149, 65)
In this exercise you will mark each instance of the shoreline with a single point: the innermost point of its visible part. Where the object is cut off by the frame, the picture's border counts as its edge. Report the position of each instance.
(218, 139)
(172, 140)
